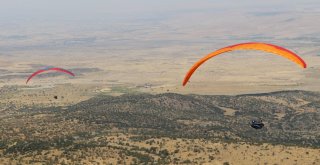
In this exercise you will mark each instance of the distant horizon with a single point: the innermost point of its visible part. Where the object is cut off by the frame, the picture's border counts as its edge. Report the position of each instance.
(81, 10)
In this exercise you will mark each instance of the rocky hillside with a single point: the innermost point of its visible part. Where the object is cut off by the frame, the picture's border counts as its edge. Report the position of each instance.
(291, 117)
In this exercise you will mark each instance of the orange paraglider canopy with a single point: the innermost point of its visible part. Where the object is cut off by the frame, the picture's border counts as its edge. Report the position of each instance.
(248, 46)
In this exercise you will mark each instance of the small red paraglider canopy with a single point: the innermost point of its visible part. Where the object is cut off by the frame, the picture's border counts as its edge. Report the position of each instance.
(49, 69)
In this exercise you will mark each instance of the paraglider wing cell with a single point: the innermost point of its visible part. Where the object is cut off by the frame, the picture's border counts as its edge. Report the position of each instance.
(62, 70)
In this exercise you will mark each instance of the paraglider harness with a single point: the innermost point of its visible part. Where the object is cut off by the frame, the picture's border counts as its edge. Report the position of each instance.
(256, 124)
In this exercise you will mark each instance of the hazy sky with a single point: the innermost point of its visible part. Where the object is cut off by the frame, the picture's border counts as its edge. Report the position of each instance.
(15, 10)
